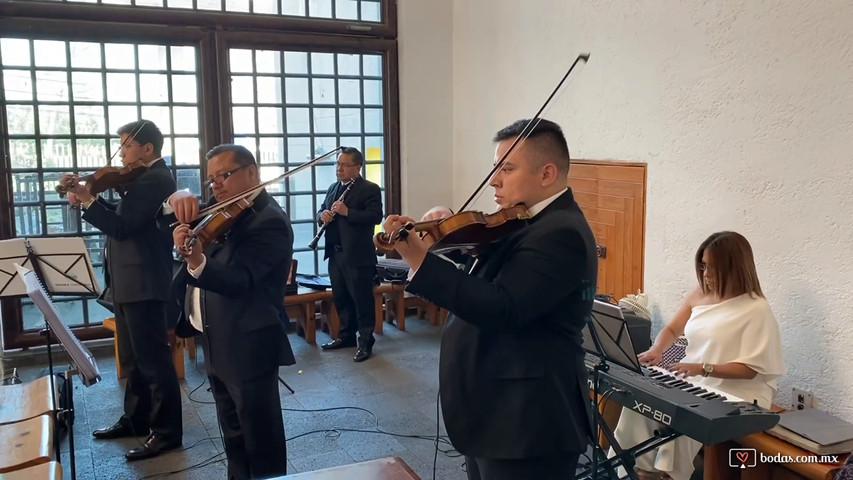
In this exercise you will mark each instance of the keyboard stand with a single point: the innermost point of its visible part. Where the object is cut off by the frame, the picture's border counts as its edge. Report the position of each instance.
(603, 467)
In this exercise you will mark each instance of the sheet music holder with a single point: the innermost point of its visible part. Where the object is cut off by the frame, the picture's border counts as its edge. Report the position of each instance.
(62, 263)
(614, 342)
(80, 356)
(82, 359)
(606, 337)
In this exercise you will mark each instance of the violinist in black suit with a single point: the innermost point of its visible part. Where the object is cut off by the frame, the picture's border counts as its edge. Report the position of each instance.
(137, 270)
(232, 291)
(512, 380)
(350, 250)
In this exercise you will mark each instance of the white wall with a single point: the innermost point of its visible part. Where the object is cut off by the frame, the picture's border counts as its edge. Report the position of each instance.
(742, 111)
(426, 103)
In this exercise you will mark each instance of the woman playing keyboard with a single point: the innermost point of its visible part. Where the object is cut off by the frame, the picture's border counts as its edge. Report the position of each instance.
(733, 346)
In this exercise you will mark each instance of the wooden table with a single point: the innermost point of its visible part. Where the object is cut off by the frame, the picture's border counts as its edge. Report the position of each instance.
(390, 468)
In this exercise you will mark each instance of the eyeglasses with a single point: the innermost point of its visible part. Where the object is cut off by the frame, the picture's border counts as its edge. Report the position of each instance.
(220, 179)
(339, 165)
(704, 267)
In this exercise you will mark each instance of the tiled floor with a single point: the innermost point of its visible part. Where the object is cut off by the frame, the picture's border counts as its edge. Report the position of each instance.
(397, 388)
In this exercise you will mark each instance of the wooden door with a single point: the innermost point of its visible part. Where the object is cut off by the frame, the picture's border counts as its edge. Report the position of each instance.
(612, 197)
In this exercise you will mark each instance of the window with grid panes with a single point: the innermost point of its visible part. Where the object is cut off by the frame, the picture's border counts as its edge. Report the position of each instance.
(291, 106)
(64, 101)
(362, 10)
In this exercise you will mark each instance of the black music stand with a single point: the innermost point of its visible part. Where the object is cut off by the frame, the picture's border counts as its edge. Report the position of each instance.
(81, 357)
(606, 337)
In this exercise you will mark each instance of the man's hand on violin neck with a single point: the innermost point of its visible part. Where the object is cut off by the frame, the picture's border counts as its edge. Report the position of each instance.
(412, 249)
(193, 255)
(185, 205)
(77, 193)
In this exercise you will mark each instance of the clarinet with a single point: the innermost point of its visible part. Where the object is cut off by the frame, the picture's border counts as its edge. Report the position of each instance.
(313, 244)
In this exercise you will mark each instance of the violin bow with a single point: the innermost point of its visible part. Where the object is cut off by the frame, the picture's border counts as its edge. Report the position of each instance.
(528, 129)
(256, 189)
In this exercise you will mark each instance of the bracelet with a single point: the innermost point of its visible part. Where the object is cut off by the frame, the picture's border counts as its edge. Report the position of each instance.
(89, 203)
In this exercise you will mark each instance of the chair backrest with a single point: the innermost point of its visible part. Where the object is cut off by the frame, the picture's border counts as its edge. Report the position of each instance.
(674, 353)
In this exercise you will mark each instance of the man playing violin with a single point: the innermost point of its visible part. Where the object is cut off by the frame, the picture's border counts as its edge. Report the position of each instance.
(512, 380)
(138, 270)
(350, 251)
(232, 291)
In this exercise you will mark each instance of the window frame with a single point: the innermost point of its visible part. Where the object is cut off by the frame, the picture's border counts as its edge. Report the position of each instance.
(385, 28)
(212, 33)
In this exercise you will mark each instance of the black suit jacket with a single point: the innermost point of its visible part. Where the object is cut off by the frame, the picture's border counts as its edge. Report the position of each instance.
(242, 294)
(511, 374)
(364, 202)
(138, 263)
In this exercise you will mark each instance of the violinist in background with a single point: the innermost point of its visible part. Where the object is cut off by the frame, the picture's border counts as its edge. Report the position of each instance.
(138, 270)
(350, 250)
(512, 379)
(232, 292)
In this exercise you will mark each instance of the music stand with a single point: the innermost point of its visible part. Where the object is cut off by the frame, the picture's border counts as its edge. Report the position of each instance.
(62, 264)
(606, 337)
(81, 357)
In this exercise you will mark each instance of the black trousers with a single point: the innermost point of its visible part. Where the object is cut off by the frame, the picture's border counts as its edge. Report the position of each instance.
(152, 397)
(352, 290)
(249, 414)
(558, 466)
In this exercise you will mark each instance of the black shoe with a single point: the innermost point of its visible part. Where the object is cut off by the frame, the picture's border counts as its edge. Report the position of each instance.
(338, 343)
(153, 446)
(365, 350)
(362, 354)
(121, 429)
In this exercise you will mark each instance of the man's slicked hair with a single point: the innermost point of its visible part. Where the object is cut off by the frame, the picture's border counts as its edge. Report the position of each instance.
(144, 131)
(546, 137)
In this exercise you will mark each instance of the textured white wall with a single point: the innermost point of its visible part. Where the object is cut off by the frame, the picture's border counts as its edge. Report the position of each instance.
(742, 111)
(426, 103)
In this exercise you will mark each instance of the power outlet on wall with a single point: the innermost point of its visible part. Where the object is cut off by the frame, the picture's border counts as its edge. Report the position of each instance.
(802, 399)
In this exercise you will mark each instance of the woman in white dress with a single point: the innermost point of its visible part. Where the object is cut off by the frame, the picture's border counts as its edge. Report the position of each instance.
(733, 345)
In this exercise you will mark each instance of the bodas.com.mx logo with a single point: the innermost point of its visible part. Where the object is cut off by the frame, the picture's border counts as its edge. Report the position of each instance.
(742, 457)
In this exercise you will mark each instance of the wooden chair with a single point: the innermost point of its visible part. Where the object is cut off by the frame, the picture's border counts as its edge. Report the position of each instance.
(26, 443)
(176, 344)
(303, 308)
(26, 400)
(395, 293)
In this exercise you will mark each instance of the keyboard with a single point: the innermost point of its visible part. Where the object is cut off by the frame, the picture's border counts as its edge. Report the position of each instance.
(702, 413)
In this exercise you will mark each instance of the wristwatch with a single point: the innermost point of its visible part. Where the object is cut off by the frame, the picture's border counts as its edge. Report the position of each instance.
(707, 368)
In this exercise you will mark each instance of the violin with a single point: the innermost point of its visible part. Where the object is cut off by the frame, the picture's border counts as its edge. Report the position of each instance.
(109, 177)
(215, 225)
(106, 178)
(472, 230)
(467, 231)
(214, 222)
